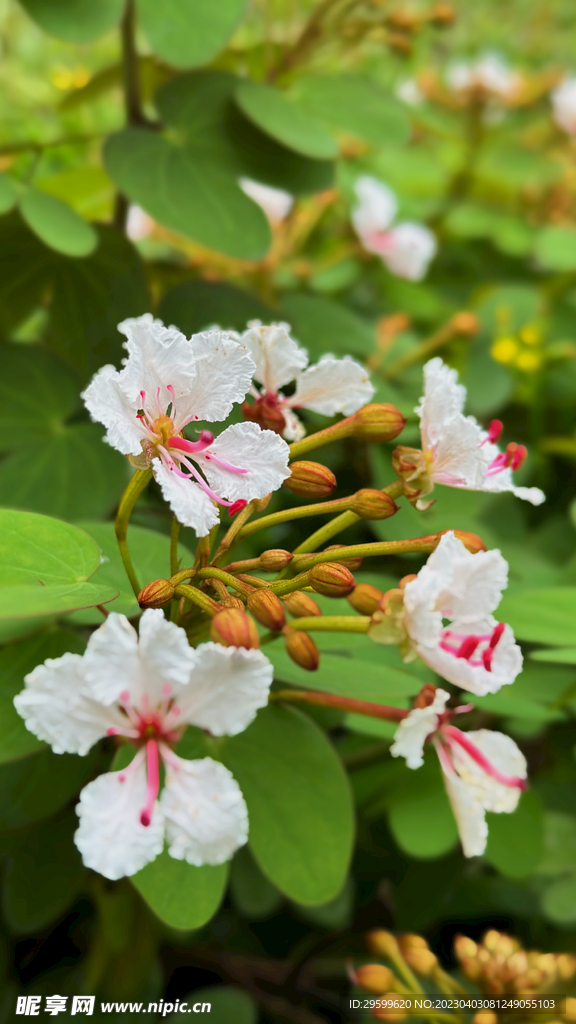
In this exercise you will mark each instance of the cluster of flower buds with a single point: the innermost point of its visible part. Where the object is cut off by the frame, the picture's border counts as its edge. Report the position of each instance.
(407, 955)
(499, 965)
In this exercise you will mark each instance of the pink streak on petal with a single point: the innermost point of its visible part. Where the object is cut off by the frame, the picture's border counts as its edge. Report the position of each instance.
(457, 736)
(153, 781)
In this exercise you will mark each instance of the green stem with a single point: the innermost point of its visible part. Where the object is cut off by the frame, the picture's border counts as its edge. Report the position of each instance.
(174, 534)
(212, 573)
(419, 545)
(331, 700)
(137, 484)
(344, 428)
(230, 537)
(341, 522)
(199, 598)
(425, 348)
(286, 515)
(282, 587)
(333, 623)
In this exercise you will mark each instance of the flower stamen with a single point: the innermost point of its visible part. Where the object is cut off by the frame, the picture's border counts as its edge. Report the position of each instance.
(152, 781)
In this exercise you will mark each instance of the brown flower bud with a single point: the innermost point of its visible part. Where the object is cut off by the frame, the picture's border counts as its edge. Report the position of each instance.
(233, 628)
(310, 480)
(266, 412)
(383, 943)
(301, 605)
(365, 598)
(464, 947)
(374, 978)
(443, 15)
(267, 609)
(275, 559)
(331, 579)
(465, 323)
(350, 563)
(232, 602)
(424, 699)
(471, 541)
(423, 961)
(370, 503)
(378, 422)
(301, 648)
(156, 594)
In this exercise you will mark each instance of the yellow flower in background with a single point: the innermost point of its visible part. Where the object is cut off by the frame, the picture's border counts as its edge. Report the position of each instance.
(531, 334)
(505, 350)
(69, 78)
(529, 361)
(519, 351)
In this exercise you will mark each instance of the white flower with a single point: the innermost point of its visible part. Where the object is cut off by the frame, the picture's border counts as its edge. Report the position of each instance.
(406, 248)
(455, 449)
(138, 224)
(483, 770)
(167, 382)
(275, 202)
(409, 92)
(564, 105)
(489, 73)
(148, 689)
(331, 386)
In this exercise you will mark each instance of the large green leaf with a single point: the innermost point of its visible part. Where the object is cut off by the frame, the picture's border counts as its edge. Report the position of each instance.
(34, 788)
(289, 124)
(299, 803)
(254, 896)
(515, 840)
(355, 105)
(420, 816)
(150, 554)
(181, 895)
(326, 326)
(186, 33)
(76, 21)
(194, 197)
(57, 224)
(39, 410)
(557, 655)
(228, 1005)
(379, 683)
(16, 661)
(8, 194)
(45, 566)
(545, 616)
(195, 305)
(555, 247)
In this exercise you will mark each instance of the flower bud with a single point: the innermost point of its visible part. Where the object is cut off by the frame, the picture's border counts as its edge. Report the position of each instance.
(423, 961)
(378, 422)
(374, 978)
(156, 594)
(471, 541)
(331, 579)
(275, 559)
(443, 15)
(350, 563)
(310, 480)
(365, 598)
(233, 628)
(370, 503)
(267, 609)
(232, 602)
(265, 411)
(301, 605)
(383, 943)
(301, 648)
(465, 323)
(465, 947)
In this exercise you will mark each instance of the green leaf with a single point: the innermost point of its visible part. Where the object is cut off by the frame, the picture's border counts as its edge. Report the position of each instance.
(515, 840)
(43, 875)
(57, 224)
(227, 1005)
(420, 815)
(16, 661)
(186, 33)
(76, 21)
(8, 194)
(180, 894)
(29, 414)
(356, 105)
(517, 705)
(555, 248)
(558, 901)
(299, 803)
(253, 895)
(544, 616)
(194, 197)
(326, 326)
(379, 683)
(559, 845)
(335, 915)
(44, 567)
(195, 305)
(558, 655)
(150, 554)
(35, 788)
(277, 116)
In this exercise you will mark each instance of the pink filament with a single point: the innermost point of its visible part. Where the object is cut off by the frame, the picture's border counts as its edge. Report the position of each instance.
(152, 781)
(457, 736)
(494, 430)
(206, 439)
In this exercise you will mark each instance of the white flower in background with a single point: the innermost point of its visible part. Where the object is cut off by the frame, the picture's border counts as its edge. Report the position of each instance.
(406, 248)
(489, 73)
(444, 616)
(275, 202)
(483, 770)
(331, 386)
(456, 451)
(148, 689)
(564, 105)
(410, 92)
(168, 382)
(138, 224)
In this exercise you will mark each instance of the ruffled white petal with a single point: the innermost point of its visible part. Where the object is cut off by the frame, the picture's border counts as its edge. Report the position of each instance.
(164, 653)
(469, 814)
(294, 429)
(108, 404)
(223, 374)
(564, 105)
(466, 585)
(333, 385)
(277, 356)
(189, 503)
(275, 202)
(244, 445)
(226, 687)
(408, 250)
(110, 836)
(111, 662)
(157, 356)
(377, 206)
(505, 755)
(204, 810)
(443, 400)
(57, 707)
(506, 662)
(412, 732)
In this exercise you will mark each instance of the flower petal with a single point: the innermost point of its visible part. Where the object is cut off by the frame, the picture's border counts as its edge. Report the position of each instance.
(294, 429)
(333, 385)
(111, 662)
(227, 686)
(412, 732)
(244, 445)
(464, 585)
(224, 371)
(277, 356)
(505, 755)
(189, 503)
(164, 653)
(275, 202)
(157, 356)
(110, 836)
(204, 810)
(469, 814)
(506, 662)
(443, 400)
(57, 706)
(108, 404)
(408, 251)
(377, 207)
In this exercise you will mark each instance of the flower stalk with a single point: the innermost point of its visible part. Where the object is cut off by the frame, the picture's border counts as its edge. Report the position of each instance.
(137, 484)
(331, 700)
(333, 623)
(341, 522)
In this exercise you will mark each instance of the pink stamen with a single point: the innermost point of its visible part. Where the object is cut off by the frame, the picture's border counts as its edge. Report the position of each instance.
(169, 757)
(197, 476)
(497, 633)
(226, 465)
(206, 439)
(467, 647)
(237, 506)
(463, 708)
(170, 388)
(456, 735)
(494, 430)
(487, 659)
(518, 457)
(152, 782)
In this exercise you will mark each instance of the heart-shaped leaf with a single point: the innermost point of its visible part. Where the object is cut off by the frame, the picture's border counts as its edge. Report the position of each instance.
(57, 224)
